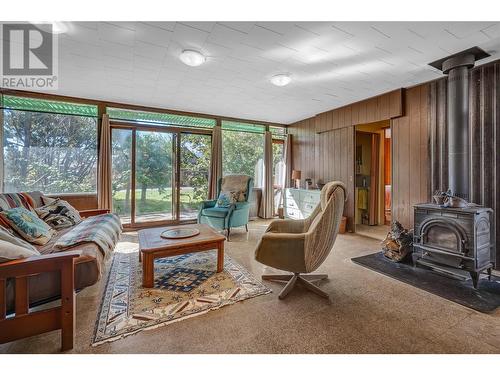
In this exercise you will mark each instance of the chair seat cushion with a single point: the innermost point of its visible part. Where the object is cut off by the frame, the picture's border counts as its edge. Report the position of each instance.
(215, 212)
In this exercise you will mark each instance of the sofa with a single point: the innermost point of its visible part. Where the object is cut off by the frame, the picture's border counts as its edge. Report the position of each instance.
(40, 276)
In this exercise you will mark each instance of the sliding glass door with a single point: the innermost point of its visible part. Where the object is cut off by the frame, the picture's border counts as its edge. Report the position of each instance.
(121, 173)
(195, 152)
(158, 175)
(154, 176)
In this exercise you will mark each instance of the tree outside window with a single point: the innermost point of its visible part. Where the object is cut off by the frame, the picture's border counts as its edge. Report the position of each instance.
(53, 153)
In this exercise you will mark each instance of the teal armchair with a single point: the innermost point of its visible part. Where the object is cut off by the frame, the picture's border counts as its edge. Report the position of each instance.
(236, 215)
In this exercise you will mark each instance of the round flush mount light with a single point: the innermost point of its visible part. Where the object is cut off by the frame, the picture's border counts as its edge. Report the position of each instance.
(58, 27)
(281, 79)
(192, 58)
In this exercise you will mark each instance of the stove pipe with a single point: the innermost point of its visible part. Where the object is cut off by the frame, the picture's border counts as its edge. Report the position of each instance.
(457, 69)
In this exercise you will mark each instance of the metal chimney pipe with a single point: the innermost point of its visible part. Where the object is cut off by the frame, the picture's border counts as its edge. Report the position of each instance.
(457, 69)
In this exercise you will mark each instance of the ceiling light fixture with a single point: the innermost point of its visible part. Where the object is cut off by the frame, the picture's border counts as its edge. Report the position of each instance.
(281, 79)
(192, 58)
(57, 26)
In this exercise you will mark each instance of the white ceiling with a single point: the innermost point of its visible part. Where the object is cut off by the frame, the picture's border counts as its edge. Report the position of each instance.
(332, 63)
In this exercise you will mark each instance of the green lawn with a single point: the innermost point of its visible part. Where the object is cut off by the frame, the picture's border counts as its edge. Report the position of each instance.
(156, 202)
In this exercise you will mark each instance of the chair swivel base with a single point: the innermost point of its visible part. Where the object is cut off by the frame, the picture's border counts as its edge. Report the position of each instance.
(306, 280)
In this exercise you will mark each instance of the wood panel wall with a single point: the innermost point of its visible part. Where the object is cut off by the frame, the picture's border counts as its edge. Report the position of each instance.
(410, 153)
(484, 124)
(335, 162)
(378, 108)
(323, 145)
(303, 147)
(419, 142)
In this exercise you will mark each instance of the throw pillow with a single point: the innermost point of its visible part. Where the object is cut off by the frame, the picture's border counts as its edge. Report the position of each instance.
(226, 199)
(242, 196)
(12, 200)
(47, 200)
(12, 247)
(28, 225)
(59, 214)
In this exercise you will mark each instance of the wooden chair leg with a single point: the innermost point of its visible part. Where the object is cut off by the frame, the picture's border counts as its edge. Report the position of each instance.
(246, 227)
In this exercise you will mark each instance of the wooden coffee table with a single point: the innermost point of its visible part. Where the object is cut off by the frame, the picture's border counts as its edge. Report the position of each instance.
(153, 246)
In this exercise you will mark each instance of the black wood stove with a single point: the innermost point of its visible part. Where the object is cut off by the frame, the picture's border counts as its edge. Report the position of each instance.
(459, 238)
(456, 238)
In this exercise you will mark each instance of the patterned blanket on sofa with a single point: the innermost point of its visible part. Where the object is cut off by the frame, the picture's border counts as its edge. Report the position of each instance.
(103, 230)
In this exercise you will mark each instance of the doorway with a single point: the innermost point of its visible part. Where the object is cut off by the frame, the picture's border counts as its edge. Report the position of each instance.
(159, 174)
(373, 205)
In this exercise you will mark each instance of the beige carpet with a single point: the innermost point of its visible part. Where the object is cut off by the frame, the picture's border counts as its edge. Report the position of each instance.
(367, 313)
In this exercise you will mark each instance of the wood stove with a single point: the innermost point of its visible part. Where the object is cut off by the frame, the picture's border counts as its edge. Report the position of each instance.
(460, 238)
(456, 238)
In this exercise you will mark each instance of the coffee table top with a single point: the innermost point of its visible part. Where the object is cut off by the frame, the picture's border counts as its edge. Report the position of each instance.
(150, 239)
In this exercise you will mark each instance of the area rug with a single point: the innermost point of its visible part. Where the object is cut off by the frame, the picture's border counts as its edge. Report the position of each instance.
(185, 286)
(484, 299)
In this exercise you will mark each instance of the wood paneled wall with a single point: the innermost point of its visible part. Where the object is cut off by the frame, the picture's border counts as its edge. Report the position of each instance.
(323, 146)
(335, 162)
(303, 147)
(484, 124)
(410, 155)
(378, 108)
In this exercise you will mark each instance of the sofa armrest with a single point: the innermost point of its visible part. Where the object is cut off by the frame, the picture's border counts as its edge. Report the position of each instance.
(36, 264)
(286, 226)
(24, 323)
(98, 211)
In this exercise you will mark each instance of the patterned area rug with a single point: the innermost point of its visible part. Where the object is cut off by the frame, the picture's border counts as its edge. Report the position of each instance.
(185, 286)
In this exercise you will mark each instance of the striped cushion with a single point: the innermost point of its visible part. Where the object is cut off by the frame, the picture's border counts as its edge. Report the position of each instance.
(13, 200)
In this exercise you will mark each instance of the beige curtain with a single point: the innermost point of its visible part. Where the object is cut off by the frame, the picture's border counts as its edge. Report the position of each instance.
(267, 210)
(288, 160)
(104, 168)
(215, 162)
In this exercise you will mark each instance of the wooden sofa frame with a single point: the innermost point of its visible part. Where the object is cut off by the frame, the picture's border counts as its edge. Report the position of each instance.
(23, 323)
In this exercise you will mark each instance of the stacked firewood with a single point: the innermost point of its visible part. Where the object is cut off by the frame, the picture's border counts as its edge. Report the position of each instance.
(398, 243)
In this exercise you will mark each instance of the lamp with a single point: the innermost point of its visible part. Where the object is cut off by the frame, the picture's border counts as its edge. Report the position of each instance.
(296, 175)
